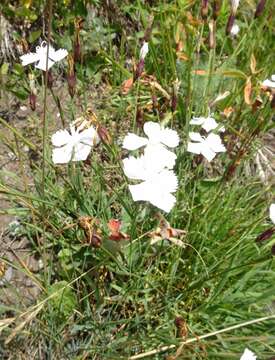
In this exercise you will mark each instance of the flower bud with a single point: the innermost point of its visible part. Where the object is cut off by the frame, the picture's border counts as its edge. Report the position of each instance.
(139, 118)
(77, 51)
(260, 8)
(144, 51)
(49, 80)
(139, 69)
(32, 101)
(155, 103)
(148, 30)
(174, 100)
(216, 9)
(71, 77)
(265, 235)
(104, 135)
(234, 6)
(204, 9)
(230, 23)
(77, 45)
(234, 30)
(96, 240)
(212, 34)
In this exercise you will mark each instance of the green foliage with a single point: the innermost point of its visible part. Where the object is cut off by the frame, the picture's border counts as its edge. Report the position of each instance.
(122, 298)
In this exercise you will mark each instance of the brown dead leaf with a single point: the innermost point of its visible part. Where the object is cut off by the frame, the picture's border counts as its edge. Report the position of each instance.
(200, 72)
(193, 21)
(114, 226)
(253, 64)
(248, 91)
(182, 56)
(155, 85)
(228, 111)
(127, 86)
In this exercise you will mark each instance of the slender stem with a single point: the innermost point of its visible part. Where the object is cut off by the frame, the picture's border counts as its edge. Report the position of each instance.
(198, 338)
(44, 134)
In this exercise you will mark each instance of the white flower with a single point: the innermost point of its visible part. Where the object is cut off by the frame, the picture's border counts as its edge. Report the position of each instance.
(145, 166)
(272, 213)
(157, 190)
(269, 83)
(235, 30)
(144, 50)
(159, 182)
(74, 145)
(156, 136)
(248, 355)
(235, 5)
(208, 146)
(207, 124)
(153, 167)
(40, 56)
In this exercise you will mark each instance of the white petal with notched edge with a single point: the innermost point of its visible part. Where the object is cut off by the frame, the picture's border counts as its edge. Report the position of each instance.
(157, 190)
(29, 58)
(40, 57)
(269, 83)
(272, 213)
(144, 51)
(74, 145)
(61, 137)
(248, 355)
(207, 124)
(152, 162)
(208, 146)
(156, 134)
(133, 142)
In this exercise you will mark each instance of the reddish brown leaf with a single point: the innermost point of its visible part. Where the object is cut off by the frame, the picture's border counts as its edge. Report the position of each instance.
(248, 91)
(114, 226)
(127, 86)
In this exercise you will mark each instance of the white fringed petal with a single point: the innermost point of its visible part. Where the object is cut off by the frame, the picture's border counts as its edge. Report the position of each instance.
(133, 142)
(62, 155)
(248, 355)
(207, 124)
(144, 51)
(269, 83)
(195, 136)
(208, 147)
(61, 137)
(157, 190)
(29, 58)
(40, 57)
(272, 213)
(74, 145)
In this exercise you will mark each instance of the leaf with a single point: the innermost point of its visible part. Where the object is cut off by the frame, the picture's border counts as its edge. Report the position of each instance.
(234, 74)
(127, 86)
(34, 35)
(4, 69)
(253, 64)
(248, 91)
(64, 300)
(18, 69)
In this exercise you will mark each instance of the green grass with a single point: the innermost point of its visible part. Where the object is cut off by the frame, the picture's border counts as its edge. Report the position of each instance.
(122, 299)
